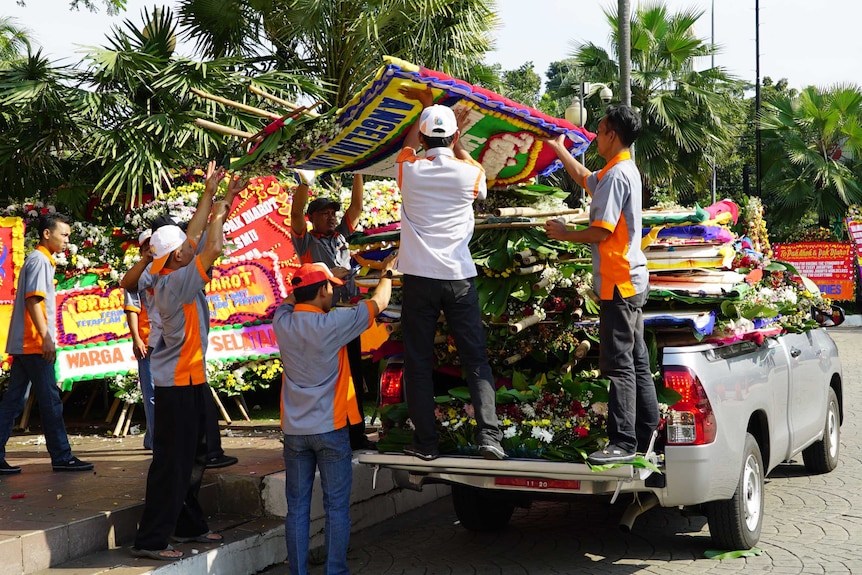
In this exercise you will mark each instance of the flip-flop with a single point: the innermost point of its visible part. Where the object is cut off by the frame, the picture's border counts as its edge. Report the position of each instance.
(158, 554)
(208, 537)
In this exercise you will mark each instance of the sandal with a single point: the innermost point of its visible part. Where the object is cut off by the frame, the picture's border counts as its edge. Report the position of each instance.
(159, 554)
(208, 537)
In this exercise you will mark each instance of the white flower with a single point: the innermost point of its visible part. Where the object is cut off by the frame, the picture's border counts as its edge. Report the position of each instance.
(599, 408)
(510, 432)
(73, 249)
(528, 410)
(542, 434)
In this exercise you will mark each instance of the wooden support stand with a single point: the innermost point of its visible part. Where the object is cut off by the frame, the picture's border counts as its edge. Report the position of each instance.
(220, 405)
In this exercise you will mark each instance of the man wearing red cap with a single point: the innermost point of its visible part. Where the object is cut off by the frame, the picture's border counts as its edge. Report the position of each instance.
(437, 191)
(327, 243)
(316, 404)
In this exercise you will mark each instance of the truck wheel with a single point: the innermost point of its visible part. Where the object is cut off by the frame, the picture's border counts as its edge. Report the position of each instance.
(822, 457)
(477, 510)
(736, 522)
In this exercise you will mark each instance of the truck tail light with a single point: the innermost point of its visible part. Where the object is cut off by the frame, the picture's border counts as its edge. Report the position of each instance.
(390, 383)
(691, 420)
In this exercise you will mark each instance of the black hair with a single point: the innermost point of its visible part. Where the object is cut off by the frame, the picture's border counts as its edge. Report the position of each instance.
(429, 142)
(307, 293)
(162, 220)
(50, 220)
(625, 121)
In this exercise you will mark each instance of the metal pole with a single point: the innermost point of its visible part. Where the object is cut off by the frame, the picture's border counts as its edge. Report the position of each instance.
(581, 155)
(757, 145)
(712, 186)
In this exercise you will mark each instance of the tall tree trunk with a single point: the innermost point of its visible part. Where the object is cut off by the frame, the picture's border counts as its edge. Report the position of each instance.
(625, 50)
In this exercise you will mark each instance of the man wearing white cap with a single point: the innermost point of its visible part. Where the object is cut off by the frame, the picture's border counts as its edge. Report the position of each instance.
(437, 193)
(139, 308)
(179, 373)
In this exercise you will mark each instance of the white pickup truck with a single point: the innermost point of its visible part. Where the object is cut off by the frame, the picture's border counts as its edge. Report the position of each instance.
(745, 409)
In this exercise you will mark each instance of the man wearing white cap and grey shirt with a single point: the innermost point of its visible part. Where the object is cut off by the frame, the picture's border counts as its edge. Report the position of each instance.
(437, 193)
(179, 373)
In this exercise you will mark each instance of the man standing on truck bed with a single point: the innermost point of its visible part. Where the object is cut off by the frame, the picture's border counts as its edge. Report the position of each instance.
(620, 278)
(437, 192)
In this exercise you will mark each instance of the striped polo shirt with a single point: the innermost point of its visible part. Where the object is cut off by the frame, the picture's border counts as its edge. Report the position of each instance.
(36, 278)
(437, 194)
(618, 261)
(178, 357)
(317, 394)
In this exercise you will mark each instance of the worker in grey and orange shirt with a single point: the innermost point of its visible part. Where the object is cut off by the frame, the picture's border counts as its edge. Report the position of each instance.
(32, 343)
(317, 403)
(179, 373)
(620, 278)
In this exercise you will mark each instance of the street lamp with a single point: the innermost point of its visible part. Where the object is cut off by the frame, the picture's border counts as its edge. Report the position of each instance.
(576, 113)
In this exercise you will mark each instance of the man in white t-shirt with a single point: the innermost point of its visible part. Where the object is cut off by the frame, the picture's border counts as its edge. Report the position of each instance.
(438, 190)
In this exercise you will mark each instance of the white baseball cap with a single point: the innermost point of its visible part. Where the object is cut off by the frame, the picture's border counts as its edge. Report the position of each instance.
(144, 236)
(165, 241)
(438, 121)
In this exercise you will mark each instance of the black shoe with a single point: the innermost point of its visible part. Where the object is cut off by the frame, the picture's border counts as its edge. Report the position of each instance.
(611, 454)
(221, 461)
(421, 454)
(6, 469)
(73, 464)
(492, 451)
(365, 444)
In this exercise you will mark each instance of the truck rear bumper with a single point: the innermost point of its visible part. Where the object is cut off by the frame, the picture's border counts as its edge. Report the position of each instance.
(535, 476)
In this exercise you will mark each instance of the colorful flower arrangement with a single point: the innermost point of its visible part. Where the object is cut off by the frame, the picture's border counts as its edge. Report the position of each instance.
(287, 144)
(235, 378)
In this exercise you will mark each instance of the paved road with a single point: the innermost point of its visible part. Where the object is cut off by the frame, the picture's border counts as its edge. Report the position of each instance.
(813, 525)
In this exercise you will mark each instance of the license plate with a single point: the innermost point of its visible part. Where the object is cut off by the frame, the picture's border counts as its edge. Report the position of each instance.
(532, 483)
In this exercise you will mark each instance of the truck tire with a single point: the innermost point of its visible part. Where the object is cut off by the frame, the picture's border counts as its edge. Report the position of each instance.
(735, 523)
(477, 510)
(822, 457)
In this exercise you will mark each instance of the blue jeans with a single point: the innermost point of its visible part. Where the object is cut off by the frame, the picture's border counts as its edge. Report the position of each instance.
(624, 359)
(331, 453)
(26, 369)
(145, 380)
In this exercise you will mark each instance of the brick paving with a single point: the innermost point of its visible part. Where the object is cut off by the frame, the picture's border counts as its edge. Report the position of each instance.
(812, 525)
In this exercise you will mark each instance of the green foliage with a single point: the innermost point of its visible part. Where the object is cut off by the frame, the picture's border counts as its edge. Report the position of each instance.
(687, 115)
(812, 145)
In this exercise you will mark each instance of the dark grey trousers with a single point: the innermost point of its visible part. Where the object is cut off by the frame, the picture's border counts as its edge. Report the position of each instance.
(624, 360)
(423, 300)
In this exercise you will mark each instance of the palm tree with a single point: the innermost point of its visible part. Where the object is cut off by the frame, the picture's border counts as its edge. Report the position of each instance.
(339, 44)
(41, 127)
(143, 110)
(13, 40)
(813, 153)
(685, 113)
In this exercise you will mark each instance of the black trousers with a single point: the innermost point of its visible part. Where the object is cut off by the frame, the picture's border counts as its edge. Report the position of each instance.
(174, 478)
(423, 300)
(354, 357)
(213, 434)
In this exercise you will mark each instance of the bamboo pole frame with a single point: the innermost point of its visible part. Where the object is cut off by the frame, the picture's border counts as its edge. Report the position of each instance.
(226, 130)
(237, 105)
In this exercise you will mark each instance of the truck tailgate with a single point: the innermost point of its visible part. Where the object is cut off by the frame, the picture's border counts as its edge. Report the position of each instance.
(508, 475)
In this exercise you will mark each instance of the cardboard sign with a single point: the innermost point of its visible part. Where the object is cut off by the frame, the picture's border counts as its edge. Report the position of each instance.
(828, 264)
(503, 135)
(245, 289)
(96, 361)
(90, 315)
(854, 228)
(260, 222)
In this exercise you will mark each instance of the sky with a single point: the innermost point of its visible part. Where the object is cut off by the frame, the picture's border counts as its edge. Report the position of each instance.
(809, 43)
